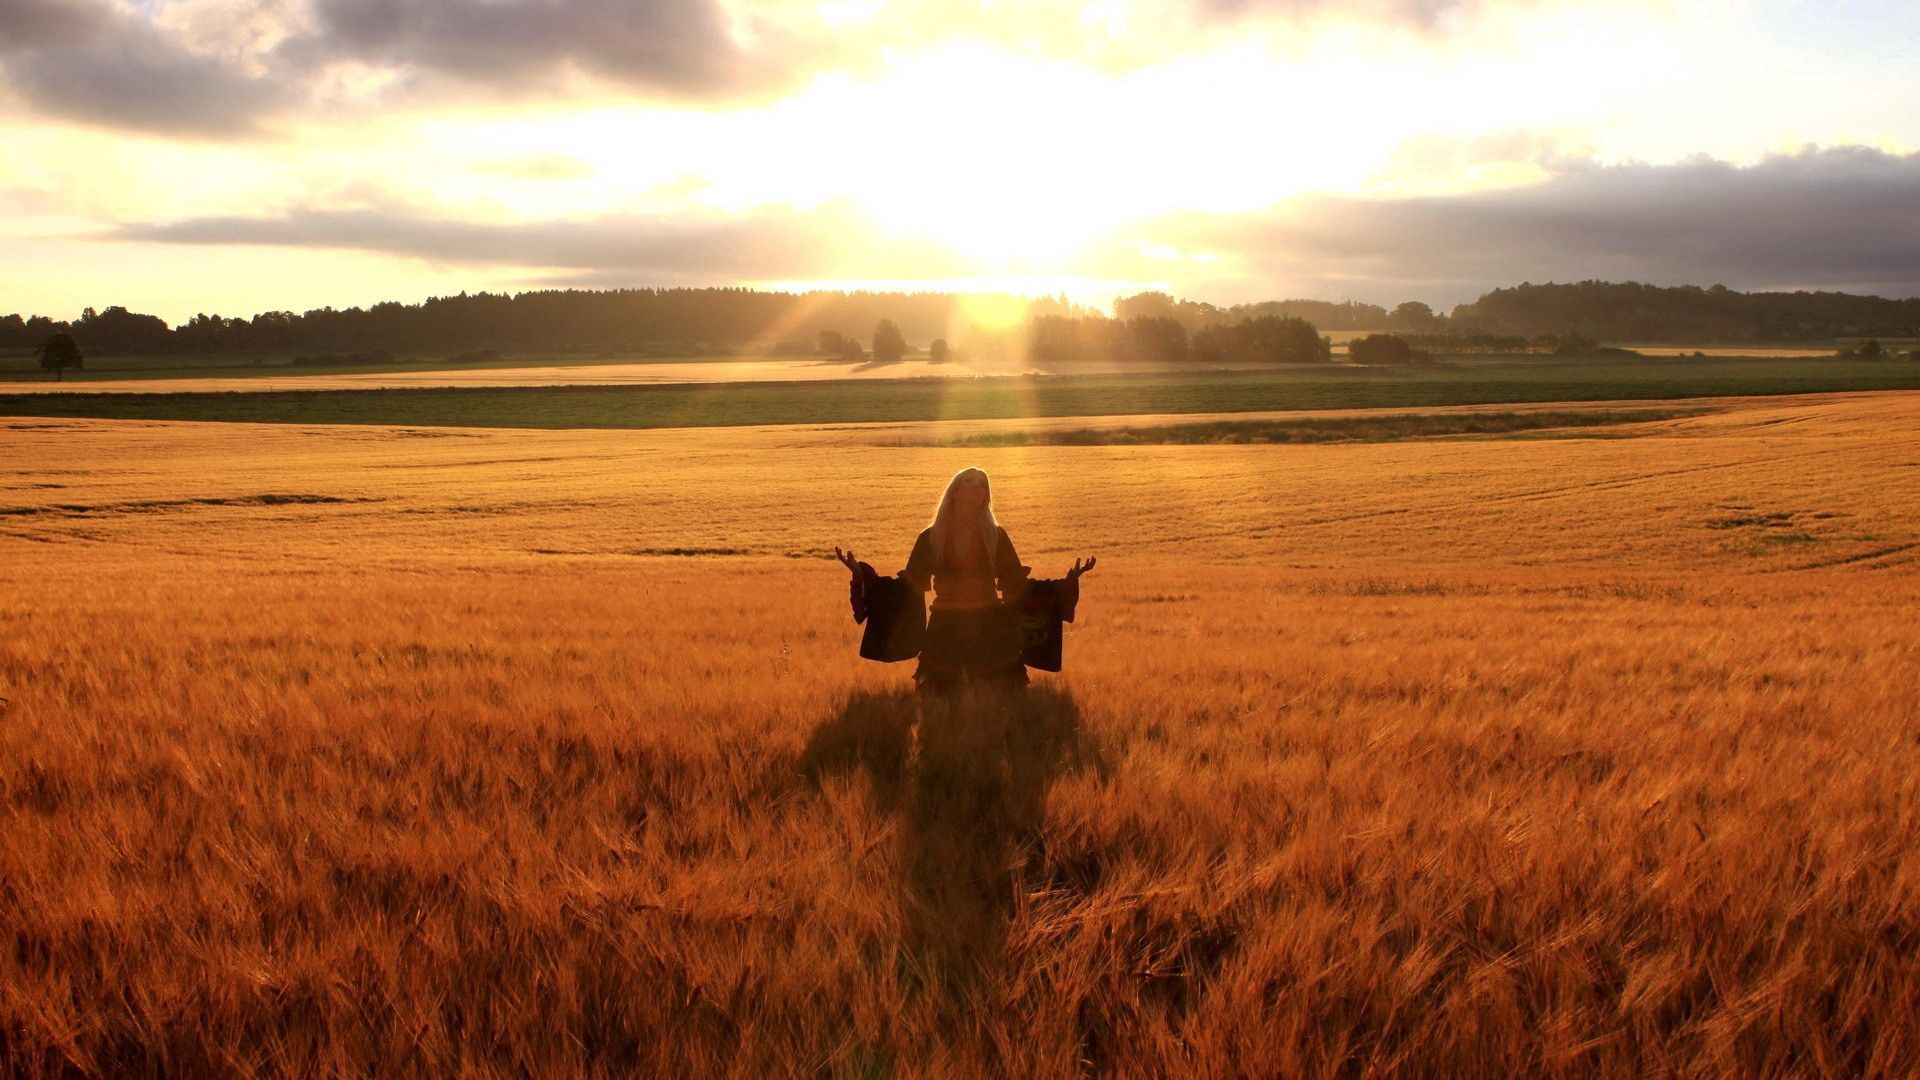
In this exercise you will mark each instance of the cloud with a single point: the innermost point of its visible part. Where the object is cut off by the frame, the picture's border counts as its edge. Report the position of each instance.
(830, 240)
(27, 23)
(96, 64)
(226, 68)
(1844, 218)
(681, 47)
(176, 68)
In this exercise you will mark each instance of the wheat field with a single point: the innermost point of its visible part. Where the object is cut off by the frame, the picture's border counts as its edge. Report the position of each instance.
(344, 751)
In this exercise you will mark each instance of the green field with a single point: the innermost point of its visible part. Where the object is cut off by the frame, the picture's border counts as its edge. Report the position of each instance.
(851, 401)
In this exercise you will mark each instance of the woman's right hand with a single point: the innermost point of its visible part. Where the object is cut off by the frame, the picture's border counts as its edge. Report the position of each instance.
(847, 560)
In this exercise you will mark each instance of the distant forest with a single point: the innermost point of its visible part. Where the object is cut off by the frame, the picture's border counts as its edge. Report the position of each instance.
(1601, 310)
(1687, 314)
(665, 322)
(681, 322)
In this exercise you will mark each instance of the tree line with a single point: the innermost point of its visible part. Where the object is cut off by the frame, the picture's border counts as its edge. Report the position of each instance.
(640, 322)
(1410, 317)
(1684, 314)
(1514, 319)
(1147, 325)
(1056, 339)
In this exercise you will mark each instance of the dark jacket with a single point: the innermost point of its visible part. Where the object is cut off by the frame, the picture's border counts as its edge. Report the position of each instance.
(895, 613)
(926, 565)
(1043, 607)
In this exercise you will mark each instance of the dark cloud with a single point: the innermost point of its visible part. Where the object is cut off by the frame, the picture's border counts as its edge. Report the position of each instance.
(829, 240)
(93, 64)
(680, 47)
(688, 48)
(29, 23)
(1841, 218)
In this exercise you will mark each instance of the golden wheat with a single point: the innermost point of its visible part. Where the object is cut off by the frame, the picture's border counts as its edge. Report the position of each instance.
(348, 751)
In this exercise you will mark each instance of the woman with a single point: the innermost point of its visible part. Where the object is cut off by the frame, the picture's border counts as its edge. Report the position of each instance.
(967, 560)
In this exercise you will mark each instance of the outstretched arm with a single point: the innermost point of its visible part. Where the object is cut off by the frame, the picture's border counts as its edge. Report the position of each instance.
(856, 585)
(1082, 566)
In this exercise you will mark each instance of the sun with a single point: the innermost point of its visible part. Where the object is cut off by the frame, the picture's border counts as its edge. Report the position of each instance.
(1006, 161)
(998, 226)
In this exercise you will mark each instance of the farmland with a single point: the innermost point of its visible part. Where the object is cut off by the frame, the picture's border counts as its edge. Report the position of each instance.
(1460, 746)
(842, 400)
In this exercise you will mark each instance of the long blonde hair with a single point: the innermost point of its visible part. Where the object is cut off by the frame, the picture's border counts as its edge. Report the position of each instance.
(942, 526)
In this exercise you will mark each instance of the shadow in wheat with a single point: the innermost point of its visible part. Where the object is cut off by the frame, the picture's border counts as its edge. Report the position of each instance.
(970, 788)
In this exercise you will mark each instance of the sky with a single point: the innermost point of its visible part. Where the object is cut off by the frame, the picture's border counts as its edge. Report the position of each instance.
(236, 156)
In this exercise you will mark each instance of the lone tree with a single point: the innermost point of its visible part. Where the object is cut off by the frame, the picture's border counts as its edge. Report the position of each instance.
(938, 352)
(58, 353)
(1385, 349)
(889, 344)
(1413, 315)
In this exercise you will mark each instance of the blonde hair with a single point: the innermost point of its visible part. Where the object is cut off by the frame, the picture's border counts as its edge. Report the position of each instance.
(942, 526)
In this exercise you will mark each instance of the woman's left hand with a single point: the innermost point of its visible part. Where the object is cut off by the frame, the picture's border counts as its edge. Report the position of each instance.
(1081, 566)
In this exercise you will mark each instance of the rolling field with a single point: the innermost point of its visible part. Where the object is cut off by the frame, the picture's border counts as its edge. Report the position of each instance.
(1474, 747)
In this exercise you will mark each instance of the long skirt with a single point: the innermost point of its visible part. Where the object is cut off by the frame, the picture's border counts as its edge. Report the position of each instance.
(970, 645)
